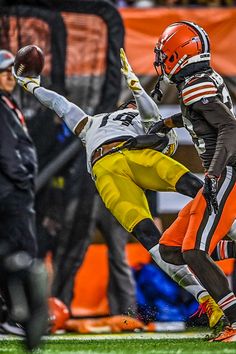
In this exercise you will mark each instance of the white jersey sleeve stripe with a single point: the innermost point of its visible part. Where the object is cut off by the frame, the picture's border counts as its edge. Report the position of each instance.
(199, 92)
(197, 86)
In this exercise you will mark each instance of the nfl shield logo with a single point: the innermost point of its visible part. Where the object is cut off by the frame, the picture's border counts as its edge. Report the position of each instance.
(205, 101)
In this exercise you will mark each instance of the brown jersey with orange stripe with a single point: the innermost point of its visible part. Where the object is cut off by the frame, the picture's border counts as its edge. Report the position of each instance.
(207, 113)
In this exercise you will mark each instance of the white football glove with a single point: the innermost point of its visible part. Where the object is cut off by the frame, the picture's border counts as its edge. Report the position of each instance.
(131, 79)
(28, 83)
(171, 148)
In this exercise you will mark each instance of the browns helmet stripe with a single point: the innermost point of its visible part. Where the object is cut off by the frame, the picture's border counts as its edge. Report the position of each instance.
(202, 35)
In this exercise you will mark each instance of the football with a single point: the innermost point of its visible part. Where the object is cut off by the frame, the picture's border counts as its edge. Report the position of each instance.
(29, 61)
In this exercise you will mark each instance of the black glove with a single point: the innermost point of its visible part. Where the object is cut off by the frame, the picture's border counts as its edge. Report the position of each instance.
(151, 141)
(210, 193)
(159, 127)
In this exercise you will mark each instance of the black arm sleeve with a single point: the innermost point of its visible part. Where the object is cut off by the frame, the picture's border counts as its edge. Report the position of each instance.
(218, 115)
(152, 141)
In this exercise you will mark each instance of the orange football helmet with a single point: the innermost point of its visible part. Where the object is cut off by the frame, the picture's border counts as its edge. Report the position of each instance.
(181, 43)
(58, 313)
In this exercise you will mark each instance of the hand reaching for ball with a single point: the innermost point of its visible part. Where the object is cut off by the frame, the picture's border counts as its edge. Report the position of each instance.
(27, 67)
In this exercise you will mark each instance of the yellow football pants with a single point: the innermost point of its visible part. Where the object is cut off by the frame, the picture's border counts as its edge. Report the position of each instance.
(121, 179)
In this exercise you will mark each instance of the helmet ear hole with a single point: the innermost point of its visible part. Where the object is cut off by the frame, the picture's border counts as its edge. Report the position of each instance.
(172, 58)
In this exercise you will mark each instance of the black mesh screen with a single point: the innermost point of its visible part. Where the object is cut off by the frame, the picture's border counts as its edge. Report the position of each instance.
(86, 63)
(81, 42)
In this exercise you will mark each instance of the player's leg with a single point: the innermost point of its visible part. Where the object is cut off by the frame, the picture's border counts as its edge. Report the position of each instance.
(189, 185)
(170, 252)
(153, 170)
(121, 178)
(121, 195)
(204, 232)
(225, 249)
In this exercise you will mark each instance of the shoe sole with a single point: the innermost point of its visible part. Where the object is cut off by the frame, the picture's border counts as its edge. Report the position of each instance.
(9, 329)
(220, 326)
(230, 339)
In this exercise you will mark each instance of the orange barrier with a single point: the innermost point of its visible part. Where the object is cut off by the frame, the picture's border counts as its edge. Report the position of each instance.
(91, 280)
(86, 44)
(113, 324)
(144, 26)
(87, 37)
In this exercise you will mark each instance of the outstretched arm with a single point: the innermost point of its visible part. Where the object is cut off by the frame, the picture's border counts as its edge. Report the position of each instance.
(147, 108)
(74, 117)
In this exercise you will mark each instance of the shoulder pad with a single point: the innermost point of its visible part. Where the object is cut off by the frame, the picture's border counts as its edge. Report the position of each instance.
(198, 88)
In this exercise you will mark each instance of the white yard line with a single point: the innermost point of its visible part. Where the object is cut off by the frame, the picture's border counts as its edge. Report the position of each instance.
(134, 336)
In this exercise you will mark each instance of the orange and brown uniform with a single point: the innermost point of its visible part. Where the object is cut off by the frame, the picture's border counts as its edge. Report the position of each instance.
(207, 113)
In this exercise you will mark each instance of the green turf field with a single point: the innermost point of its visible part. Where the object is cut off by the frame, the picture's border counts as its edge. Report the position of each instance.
(115, 345)
(127, 346)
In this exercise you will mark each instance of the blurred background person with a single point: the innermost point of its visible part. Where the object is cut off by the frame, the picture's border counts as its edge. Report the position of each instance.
(18, 249)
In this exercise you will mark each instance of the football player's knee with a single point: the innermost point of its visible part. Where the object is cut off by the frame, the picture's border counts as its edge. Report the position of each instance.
(145, 227)
(192, 256)
(171, 254)
(147, 233)
(189, 185)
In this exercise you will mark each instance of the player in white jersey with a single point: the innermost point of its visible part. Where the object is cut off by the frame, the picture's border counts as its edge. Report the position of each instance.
(122, 175)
